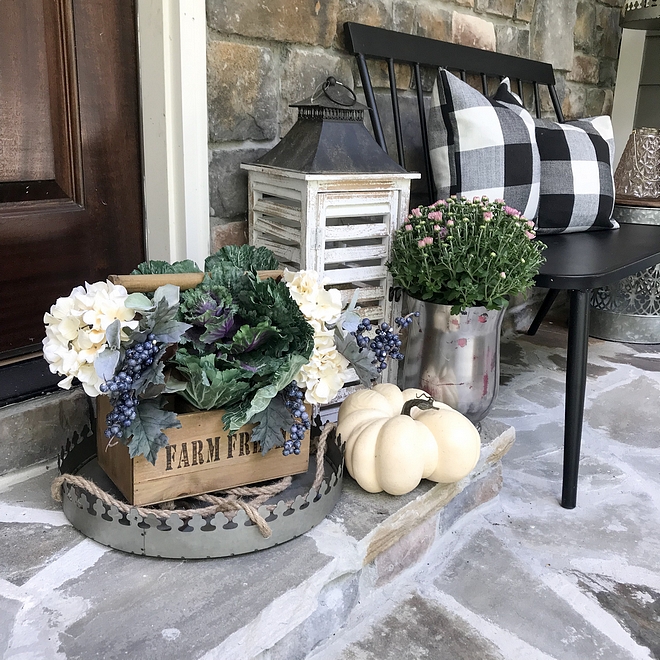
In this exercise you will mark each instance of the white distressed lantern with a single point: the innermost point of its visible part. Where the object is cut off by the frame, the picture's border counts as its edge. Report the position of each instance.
(328, 198)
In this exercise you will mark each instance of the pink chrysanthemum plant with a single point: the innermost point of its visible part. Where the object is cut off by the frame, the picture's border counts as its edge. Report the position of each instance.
(465, 253)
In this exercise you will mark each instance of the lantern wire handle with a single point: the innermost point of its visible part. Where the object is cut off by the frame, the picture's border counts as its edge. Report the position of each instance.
(330, 84)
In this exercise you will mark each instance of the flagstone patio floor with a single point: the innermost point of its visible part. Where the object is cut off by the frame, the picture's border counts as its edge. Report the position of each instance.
(517, 577)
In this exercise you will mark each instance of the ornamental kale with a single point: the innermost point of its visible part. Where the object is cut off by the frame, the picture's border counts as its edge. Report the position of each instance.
(247, 338)
(211, 312)
(243, 257)
(209, 386)
(155, 267)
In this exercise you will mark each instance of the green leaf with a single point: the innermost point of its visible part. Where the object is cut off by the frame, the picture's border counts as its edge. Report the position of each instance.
(185, 266)
(245, 257)
(153, 267)
(361, 361)
(249, 337)
(138, 301)
(225, 274)
(169, 293)
(147, 429)
(349, 321)
(106, 363)
(170, 332)
(172, 385)
(209, 387)
(153, 374)
(113, 334)
(160, 318)
(156, 267)
(271, 300)
(271, 423)
(241, 414)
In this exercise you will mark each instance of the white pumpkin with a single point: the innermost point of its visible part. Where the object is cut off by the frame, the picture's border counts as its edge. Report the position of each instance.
(458, 441)
(390, 451)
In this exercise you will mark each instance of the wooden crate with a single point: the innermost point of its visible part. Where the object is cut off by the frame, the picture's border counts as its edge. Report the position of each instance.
(201, 458)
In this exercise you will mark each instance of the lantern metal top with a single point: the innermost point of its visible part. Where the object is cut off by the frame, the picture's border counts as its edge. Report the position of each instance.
(330, 137)
(641, 15)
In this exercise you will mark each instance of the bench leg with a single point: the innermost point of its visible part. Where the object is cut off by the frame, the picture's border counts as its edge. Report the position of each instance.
(550, 298)
(576, 381)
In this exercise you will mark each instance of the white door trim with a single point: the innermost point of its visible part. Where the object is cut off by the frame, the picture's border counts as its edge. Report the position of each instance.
(172, 60)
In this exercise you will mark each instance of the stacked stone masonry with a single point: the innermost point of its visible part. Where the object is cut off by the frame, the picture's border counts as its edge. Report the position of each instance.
(265, 54)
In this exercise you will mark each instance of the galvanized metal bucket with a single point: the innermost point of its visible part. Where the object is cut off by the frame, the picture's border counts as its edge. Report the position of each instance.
(453, 357)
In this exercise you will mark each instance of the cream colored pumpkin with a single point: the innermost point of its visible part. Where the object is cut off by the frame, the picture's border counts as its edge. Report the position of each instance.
(459, 443)
(388, 451)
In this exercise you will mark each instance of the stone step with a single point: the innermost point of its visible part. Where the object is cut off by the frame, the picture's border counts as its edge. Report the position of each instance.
(373, 539)
(33, 430)
(272, 605)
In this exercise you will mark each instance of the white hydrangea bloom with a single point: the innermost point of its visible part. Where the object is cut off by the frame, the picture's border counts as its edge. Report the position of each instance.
(324, 339)
(326, 372)
(314, 301)
(75, 331)
(323, 376)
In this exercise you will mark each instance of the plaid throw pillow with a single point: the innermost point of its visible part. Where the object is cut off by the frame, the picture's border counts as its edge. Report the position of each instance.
(482, 146)
(577, 185)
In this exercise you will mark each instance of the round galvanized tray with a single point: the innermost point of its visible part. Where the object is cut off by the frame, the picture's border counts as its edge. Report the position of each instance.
(297, 510)
(629, 310)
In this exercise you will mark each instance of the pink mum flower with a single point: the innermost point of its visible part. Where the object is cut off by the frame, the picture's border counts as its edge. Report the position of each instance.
(436, 227)
(530, 223)
(428, 240)
(408, 227)
(421, 243)
(476, 199)
(530, 235)
(511, 211)
(417, 213)
(440, 202)
(450, 223)
(435, 215)
(499, 201)
(488, 215)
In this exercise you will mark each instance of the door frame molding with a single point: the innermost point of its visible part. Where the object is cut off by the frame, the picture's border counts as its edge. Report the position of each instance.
(172, 61)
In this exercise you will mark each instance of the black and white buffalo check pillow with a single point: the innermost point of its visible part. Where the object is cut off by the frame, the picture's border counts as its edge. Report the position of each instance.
(483, 147)
(577, 185)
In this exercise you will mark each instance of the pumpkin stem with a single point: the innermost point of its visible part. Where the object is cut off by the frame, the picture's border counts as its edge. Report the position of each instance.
(422, 404)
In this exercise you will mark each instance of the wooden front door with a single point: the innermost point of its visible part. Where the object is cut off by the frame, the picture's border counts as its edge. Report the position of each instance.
(70, 166)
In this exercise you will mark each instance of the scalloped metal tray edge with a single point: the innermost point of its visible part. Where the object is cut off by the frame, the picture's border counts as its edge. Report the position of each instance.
(197, 537)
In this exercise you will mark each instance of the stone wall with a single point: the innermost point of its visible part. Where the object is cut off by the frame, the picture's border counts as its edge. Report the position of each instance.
(265, 54)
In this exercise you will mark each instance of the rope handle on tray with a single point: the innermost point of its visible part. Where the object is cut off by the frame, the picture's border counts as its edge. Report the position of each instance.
(228, 502)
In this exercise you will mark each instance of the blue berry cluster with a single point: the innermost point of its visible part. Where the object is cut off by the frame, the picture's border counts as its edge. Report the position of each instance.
(385, 343)
(120, 388)
(405, 321)
(293, 400)
(122, 414)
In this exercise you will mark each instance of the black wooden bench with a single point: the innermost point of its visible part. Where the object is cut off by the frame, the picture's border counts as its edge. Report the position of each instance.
(577, 263)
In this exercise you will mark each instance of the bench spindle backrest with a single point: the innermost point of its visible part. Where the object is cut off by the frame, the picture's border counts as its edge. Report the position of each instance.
(370, 43)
